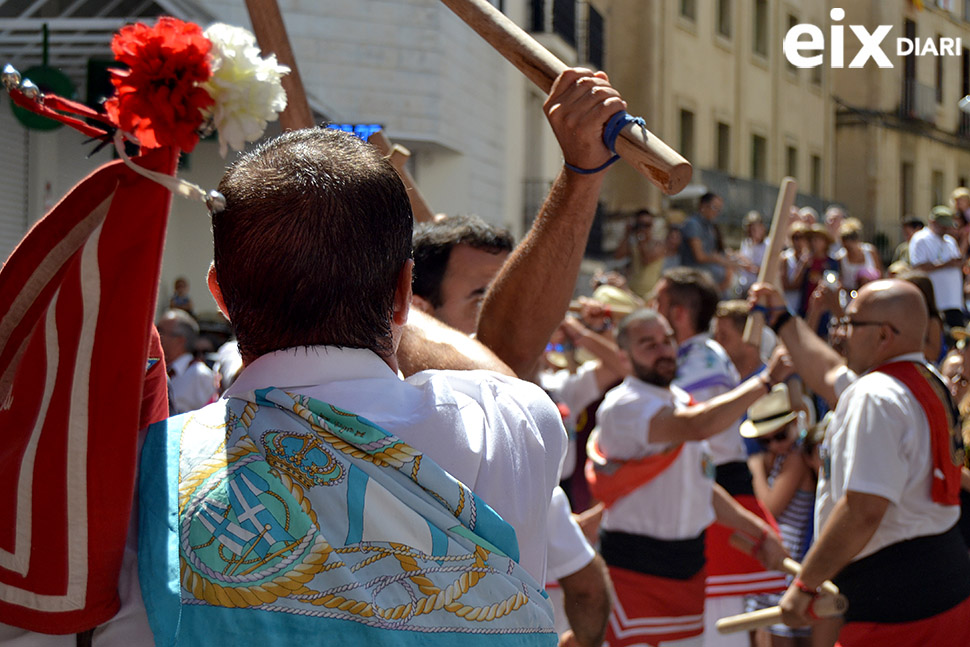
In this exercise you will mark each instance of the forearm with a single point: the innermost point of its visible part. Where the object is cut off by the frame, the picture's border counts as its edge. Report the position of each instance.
(539, 277)
(587, 600)
(426, 343)
(710, 418)
(854, 520)
(815, 361)
(733, 515)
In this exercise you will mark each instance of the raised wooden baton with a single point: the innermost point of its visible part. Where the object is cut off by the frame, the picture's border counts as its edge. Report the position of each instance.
(271, 35)
(639, 147)
(772, 258)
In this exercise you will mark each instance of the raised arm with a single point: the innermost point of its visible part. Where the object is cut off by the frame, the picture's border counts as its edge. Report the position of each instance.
(540, 275)
(815, 361)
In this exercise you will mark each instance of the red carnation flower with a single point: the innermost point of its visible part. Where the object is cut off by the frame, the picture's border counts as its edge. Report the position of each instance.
(158, 98)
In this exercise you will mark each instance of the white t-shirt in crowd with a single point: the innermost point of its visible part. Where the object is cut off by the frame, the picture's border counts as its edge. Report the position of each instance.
(577, 391)
(704, 370)
(926, 247)
(878, 443)
(193, 384)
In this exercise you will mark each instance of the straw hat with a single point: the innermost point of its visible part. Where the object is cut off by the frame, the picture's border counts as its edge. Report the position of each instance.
(769, 414)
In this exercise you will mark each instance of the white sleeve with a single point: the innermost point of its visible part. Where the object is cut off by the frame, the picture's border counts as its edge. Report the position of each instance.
(919, 251)
(579, 390)
(568, 549)
(625, 426)
(874, 461)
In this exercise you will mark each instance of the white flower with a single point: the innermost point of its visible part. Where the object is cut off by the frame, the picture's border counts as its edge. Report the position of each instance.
(246, 88)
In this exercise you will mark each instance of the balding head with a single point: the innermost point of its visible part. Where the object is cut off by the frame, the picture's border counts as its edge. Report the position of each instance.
(889, 318)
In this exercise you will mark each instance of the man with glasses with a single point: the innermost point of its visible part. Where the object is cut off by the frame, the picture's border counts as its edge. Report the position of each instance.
(888, 493)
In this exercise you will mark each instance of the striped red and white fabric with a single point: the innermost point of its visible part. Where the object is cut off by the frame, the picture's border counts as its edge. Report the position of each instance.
(733, 573)
(650, 610)
(80, 374)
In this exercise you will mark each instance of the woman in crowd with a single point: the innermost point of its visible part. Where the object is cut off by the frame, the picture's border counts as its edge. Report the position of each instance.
(785, 484)
(855, 255)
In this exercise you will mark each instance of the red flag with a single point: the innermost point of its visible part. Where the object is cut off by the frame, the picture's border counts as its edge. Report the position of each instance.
(78, 299)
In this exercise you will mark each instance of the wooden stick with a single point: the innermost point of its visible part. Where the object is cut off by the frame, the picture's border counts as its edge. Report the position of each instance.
(743, 543)
(772, 257)
(824, 606)
(643, 150)
(271, 35)
(397, 155)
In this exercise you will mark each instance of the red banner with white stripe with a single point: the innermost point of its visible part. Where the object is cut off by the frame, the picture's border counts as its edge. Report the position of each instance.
(77, 298)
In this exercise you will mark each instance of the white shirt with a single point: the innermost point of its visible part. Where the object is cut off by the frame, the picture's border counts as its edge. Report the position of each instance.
(879, 443)
(926, 247)
(568, 549)
(193, 384)
(704, 370)
(577, 391)
(676, 504)
(500, 436)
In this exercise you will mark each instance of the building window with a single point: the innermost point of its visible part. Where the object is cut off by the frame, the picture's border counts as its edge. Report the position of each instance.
(687, 133)
(688, 9)
(595, 49)
(759, 158)
(937, 186)
(906, 189)
(723, 147)
(724, 18)
(816, 175)
(562, 22)
(939, 74)
(760, 41)
(792, 21)
(791, 161)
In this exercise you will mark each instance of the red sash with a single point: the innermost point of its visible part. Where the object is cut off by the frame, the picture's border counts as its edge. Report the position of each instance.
(946, 443)
(611, 480)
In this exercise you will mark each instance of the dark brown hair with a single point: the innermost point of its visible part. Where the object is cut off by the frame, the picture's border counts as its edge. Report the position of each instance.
(308, 250)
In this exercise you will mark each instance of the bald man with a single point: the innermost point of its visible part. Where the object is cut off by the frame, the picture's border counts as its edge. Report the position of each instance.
(888, 493)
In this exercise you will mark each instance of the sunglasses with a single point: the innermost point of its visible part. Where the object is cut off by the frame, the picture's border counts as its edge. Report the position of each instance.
(778, 437)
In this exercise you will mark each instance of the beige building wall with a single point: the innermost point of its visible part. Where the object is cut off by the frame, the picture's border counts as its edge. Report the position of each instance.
(668, 64)
(899, 156)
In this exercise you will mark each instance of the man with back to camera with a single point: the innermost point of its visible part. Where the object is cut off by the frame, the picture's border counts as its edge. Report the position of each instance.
(328, 324)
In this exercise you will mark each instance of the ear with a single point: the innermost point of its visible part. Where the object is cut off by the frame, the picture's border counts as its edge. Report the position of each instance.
(215, 290)
(402, 293)
(422, 304)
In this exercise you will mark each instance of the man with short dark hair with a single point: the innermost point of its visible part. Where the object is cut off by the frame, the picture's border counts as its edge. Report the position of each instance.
(459, 251)
(702, 246)
(324, 493)
(455, 260)
(343, 490)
